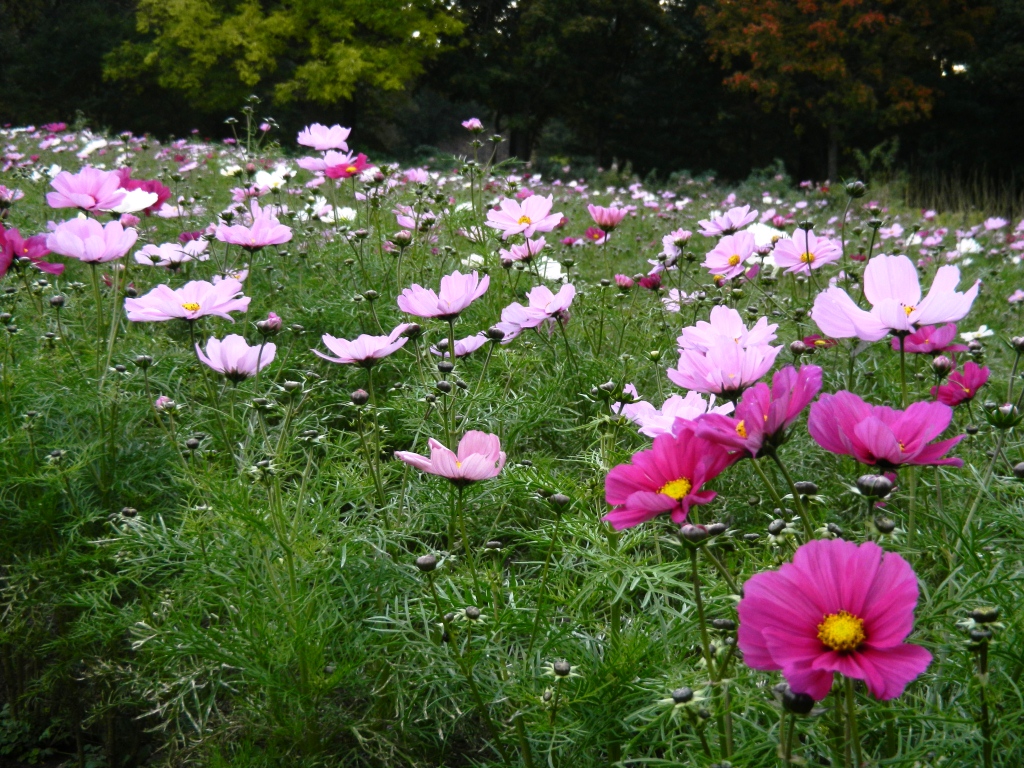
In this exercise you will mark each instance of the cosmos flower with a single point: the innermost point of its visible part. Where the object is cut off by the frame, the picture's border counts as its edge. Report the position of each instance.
(529, 217)
(463, 347)
(838, 607)
(929, 340)
(265, 230)
(479, 457)
(321, 138)
(473, 125)
(91, 189)
(234, 358)
(962, 386)
(14, 246)
(728, 256)
(457, 292)
(172, 255)
(366, 350)
(726, 223)
(674, 414)
(606, 219)
(89, 241)
(805, 251)
(193, 300)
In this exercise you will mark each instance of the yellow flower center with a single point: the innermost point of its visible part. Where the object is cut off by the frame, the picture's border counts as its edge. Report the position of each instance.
(525, 220)
(191, 306)
(741, 428)
(908, 309)
(807, 257)
(677, 489)
(734, 260)
(351, 169)
(842, 631)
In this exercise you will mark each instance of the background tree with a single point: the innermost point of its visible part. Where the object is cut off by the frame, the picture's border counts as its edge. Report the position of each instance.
(841, 65)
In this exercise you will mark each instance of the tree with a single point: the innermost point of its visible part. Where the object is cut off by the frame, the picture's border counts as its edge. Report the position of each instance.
(841, 65)
(215, 52)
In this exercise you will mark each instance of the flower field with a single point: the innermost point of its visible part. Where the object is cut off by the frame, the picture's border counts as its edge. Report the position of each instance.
(311, 459)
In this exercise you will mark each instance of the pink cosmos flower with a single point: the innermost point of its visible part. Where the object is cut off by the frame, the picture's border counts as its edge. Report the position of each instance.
(265, 230)
(625, 282)
(1016, 297)
(929, 340)
(89, 241)
(962, 386)
(162, 192)
(234, 358)
(667, 478)
(90, 189)
(596, 235)
(193, 300)
(321, 138)
(838, 607)
(365, 350)
(877, 435)
(473, 125)
(763, 415)
(544, 306)
(14, 246)
(606, 218)
(726, 367)
(531, 216)
(728, 257)
(479, 458)
(892, 287)
(172, 255)
(458, 291)
(674, 242)
(524, 252)
(463, 347)
(805, 251)
(330, 159)
(675, 413)
(995, 222)
(726, 223)
(726, 321)
(348, 167)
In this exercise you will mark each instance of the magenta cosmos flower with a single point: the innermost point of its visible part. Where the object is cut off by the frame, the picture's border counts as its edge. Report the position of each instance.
(531, 216)
(14, 246)
(763, 415)
(89, 241)
(838, 607)
(805, 251)
(234, 358)
(457, 292)
(667, 478)
(726, 223)
(676, 412)
(321, 138)
(728, 257)
(190, 302)
(265, 230)
(962, 386)
(90, 189)
(882, 436)
(929, 340)
(479, 458)
(892, 287)
(365, 350)
(347, 167)
(606, 218)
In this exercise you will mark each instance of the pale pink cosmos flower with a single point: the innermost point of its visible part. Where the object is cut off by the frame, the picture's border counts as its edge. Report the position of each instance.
(544, 306)
(458, 291)
(728, 257)
(805, 251)
(524, 252)
(479, 458)
(726, 223)
(726, 321)
(1016, 297)
(677, 299)
(193, 300)
(322, 138)
(606, 218)
(89, 241)
(265, 230)
(673, 414)
(674, 242)
(892, 286)
(366, 350)
(172, 255)
(234, 358)
(473, 125)
(90, 189)
(725, 368)
(330, 159)
(995, 222)
(463, 347)
(531, 216)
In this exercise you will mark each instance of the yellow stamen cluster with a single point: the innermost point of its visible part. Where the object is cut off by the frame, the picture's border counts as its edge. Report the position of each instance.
(525, 220)
(807, 257)
(734, 260)
(842, 631)
(741, 428)
(190, 306)
(908, 309)
(677, 489)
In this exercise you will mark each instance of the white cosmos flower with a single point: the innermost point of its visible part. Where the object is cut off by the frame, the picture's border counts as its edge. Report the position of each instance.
(983, 332)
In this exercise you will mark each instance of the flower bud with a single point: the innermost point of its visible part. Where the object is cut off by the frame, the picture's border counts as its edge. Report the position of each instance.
(834, 529)
(360, 397)
(1018, 470)
(57, 301)
(942, 366)
(856, 189)
(472, 613)
(874, 486)
(192, 443)
(775, 527)
(371, 295)
(426, 563)
(270, 326)
(717, 529)
(493, 544)
(725, 625)
(129, 512)
(559, 500)
(444, 386)
(797, 703)
(1018, 343)
(981, 635)
(884, 524)
(445, 366)
(986, 615)
(693, 533)
(494, 333)
(806, 487)
(682, 695)
(562, 668)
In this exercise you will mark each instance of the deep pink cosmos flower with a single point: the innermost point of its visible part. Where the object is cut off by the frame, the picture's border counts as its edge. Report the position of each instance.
(234, 358)
(458, 291)
(728, 257)
(877, 435)
(330, 159)
(892, 287)
(763, 415)
(347, 167)
(726, 223)
(930, 340)
(805, 251)
(89, 241)
(838, 607)
(596, 235)
(90, 189)
(479, 458)
(531, 216)
(463, 347)
(606, 219)
(265, 230)
(321, 138)
(366, 350)
(193, 300)
(14, 246)
(674, 414)
(651, 282)
(667, 478)
(962, 386)
(153, 186)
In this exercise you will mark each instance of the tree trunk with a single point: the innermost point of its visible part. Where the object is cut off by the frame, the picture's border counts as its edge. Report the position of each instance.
(833, 154)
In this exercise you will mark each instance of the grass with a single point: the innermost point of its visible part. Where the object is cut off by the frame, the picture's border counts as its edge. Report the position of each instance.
(168, 602)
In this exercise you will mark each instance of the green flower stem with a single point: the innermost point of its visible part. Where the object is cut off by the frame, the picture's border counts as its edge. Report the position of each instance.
(724, 720)
(851, 724)
(800, 508)
(986, 480)
(544, 582)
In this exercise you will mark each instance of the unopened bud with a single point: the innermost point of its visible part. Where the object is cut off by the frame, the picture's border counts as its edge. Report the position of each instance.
(562, 668)
(57, 301)
(942, 366)
(806, 487)
(884, 524)
(874, 486)
(360, 397)
(985, 615)
(682, 695)
(797, 703)
(856, 189)
(426, 563)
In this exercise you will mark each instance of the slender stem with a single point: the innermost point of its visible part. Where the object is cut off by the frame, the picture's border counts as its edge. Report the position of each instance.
(787, 750)
(767, 484)
(705, 641)
(982, 490)
(986, 725)
(851, 723)
(543, 584)
(460, 514)
(800, 508)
